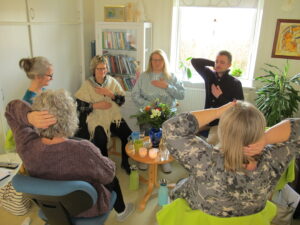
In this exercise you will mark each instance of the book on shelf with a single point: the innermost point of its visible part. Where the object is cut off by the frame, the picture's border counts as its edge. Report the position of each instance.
(120, 64)
(128, 83)
(118, 40)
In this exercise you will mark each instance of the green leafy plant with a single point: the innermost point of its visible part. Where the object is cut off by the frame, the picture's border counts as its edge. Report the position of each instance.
(154, 114)
(236, 72)
(185, 66)
(277, 99)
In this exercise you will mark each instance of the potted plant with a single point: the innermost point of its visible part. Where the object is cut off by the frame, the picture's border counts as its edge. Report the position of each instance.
(236, 72)
(277, 99)
(154, 114)
(185, 66)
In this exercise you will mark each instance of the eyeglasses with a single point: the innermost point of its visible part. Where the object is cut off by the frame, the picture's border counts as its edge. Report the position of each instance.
(50, 76)
(156, 60)
(101, 69)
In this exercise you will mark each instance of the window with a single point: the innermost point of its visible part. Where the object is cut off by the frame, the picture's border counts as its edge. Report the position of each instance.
(204, 31)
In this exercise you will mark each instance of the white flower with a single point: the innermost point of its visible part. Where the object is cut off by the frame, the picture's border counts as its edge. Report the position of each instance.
(155, 113)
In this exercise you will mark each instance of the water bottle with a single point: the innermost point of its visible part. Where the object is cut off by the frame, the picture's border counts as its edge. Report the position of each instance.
(133, 178)
(163, 196)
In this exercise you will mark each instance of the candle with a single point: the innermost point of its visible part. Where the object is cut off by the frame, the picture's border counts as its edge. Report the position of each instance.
(143, 152)
(153, 153)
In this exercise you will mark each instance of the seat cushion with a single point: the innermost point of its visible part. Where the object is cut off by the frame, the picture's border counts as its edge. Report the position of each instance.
(179, 212)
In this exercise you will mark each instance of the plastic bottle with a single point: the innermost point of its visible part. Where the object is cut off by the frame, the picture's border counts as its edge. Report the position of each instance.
(163, 193)
(133, 178)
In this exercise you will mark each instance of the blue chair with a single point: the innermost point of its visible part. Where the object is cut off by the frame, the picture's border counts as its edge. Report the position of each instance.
(61, 201)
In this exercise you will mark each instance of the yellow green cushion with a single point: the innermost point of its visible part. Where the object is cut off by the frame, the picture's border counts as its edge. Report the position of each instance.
(179, 213)
(9, 141)
(287, 176)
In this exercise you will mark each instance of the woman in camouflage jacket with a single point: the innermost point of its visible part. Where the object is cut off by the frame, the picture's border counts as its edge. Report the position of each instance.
(229, 182)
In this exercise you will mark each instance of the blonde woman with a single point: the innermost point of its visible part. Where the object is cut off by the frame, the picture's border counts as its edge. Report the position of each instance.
(40, 71)
(157, 83)
(229, 182)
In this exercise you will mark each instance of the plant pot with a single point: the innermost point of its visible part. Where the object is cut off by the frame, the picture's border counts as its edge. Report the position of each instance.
(155, 136)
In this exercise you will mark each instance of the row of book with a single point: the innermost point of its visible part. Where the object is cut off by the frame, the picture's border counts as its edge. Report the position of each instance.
(127, 83)
(120, 64)
(118, 40)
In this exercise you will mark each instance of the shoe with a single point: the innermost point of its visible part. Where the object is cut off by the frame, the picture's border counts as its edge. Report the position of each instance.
(126, 167)
(142, 166)
(166, 168)
(129, 209)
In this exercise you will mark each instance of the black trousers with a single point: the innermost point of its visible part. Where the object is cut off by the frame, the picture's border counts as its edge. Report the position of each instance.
(123, 132)
(119, 205)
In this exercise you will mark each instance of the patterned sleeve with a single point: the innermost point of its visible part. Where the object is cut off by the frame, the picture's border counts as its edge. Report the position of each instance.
(279, 155)
(180, 135)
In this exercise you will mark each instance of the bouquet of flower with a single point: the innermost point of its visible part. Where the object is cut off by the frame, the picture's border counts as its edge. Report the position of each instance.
(154, 114)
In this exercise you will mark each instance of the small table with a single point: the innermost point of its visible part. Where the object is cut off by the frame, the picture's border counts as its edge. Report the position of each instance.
(152, 179)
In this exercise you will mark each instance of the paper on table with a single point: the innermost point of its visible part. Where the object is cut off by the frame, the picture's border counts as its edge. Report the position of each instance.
(4, 173)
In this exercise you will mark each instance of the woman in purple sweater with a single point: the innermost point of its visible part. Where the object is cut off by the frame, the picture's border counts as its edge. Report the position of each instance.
(48, 153)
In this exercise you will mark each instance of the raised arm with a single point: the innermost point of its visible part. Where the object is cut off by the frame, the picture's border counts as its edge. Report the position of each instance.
(276, 134)
(179, 133)
(22, 121)
(204, 117)
(201, 66)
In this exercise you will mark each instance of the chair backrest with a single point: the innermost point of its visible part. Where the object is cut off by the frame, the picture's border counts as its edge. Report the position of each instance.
(58, 200)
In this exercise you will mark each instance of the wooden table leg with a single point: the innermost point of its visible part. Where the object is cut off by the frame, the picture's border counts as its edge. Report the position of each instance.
(152, 181)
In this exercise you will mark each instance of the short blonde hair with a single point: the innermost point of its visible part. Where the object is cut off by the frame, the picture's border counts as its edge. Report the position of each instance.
(36, 66)
(96, 60)
(60, 104)
(239, 126)
(166, 70)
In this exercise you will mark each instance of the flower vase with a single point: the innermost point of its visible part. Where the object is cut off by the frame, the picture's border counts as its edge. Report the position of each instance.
(155, 136)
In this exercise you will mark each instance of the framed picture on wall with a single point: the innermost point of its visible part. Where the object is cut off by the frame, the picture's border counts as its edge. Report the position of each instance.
(116, 13)
(287, 39)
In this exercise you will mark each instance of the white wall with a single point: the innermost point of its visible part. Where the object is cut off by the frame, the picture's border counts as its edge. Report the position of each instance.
(273, 11)
(88, 32)
(55, 32)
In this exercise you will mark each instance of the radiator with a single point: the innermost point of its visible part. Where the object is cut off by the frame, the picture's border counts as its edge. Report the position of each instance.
(194, 99)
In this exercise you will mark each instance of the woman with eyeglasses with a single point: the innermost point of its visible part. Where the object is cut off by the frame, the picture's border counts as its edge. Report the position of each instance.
(157, 83)
(98, 103)
(40, 71)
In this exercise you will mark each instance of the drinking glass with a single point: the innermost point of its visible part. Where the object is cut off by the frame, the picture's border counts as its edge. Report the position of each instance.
(137, 145)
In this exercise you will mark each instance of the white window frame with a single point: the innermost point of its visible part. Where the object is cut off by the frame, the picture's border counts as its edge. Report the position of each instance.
(174, 59)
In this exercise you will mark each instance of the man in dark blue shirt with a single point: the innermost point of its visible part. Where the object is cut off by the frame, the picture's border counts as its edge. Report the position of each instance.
(220, 86)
